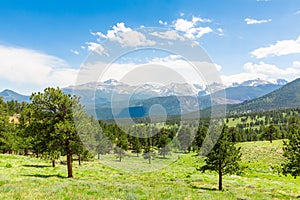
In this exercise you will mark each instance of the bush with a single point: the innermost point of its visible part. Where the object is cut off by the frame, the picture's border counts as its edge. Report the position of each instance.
(8, 165)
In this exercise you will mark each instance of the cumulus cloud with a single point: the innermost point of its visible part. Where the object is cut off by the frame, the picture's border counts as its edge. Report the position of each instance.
(125, 36)
(255, 21)
(283, 47)
(170, 34)
(25, 66)
(191, 28)
(263, 71)
(97, 48)
(162, 23)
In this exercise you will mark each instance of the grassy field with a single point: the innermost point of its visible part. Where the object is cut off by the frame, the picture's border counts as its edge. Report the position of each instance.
(30, 178)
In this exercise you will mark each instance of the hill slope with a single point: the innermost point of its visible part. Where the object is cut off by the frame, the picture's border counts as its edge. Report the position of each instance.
(287, 96)
(9, 95)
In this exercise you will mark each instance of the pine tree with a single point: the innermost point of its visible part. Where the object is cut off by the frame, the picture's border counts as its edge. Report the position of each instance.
(164, 145)
(271, 132)
(122, 146)
(136, 146)
(291, 149)
(223, 158)
(55, 131)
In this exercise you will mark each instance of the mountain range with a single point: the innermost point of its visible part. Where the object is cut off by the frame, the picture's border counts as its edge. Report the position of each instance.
(288, 96)
(177, 98)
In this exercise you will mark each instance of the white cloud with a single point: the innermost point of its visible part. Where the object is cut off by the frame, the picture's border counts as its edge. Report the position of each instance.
(296, 64)
(30, 67)
(162, 23)
(263, 71)
(254, 21)
(199, 19)
(297, 12)
(191, 29)
(74, 51)
(220, 31)
(171, 35)
(97, 48)
(284, 47)
(177, 68)
(125, 36)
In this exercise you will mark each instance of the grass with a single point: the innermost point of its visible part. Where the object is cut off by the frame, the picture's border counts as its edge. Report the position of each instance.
(30, 178)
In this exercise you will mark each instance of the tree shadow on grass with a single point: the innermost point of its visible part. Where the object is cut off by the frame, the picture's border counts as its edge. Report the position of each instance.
(208, 189)
(44, 176)
(37, 166)
(204, 188)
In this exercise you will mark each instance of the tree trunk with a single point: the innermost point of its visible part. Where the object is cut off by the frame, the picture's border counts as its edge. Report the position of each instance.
(53, 163)
(149, 159)
(69, 164)
(98, 156)
(271, 137)
(120, 155)
(79, 159)
(220, 179)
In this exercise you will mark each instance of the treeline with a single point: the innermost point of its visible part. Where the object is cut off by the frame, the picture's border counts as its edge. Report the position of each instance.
(267, 125)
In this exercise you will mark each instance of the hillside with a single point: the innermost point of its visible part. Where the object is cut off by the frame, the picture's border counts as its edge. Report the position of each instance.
(287, 96)
(9, 95)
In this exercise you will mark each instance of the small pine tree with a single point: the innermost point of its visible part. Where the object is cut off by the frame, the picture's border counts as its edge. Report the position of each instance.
(122, 147)
(149, 151)
(164, 145)
(270, 132)
(136, 146)
(223, 158)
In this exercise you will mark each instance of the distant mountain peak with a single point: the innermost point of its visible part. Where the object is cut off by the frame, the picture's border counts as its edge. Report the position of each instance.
(9, 95)
(111, 82)
(281, 81)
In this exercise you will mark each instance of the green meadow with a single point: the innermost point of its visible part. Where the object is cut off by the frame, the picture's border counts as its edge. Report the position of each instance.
(176, 177)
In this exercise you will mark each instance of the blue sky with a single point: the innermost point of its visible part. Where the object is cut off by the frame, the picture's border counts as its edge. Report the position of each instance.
(43, 43)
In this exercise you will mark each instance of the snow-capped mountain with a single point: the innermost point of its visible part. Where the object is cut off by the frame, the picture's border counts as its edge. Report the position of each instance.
(258, 82)
(103, 94)
(146, 90)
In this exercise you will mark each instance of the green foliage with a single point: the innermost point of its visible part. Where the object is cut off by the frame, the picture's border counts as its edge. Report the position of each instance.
(291, 149)
(223, 158)
(200, 136)
(122, 147)
(52, 125)
(271, 132)
(164, 145)
(136, 146)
